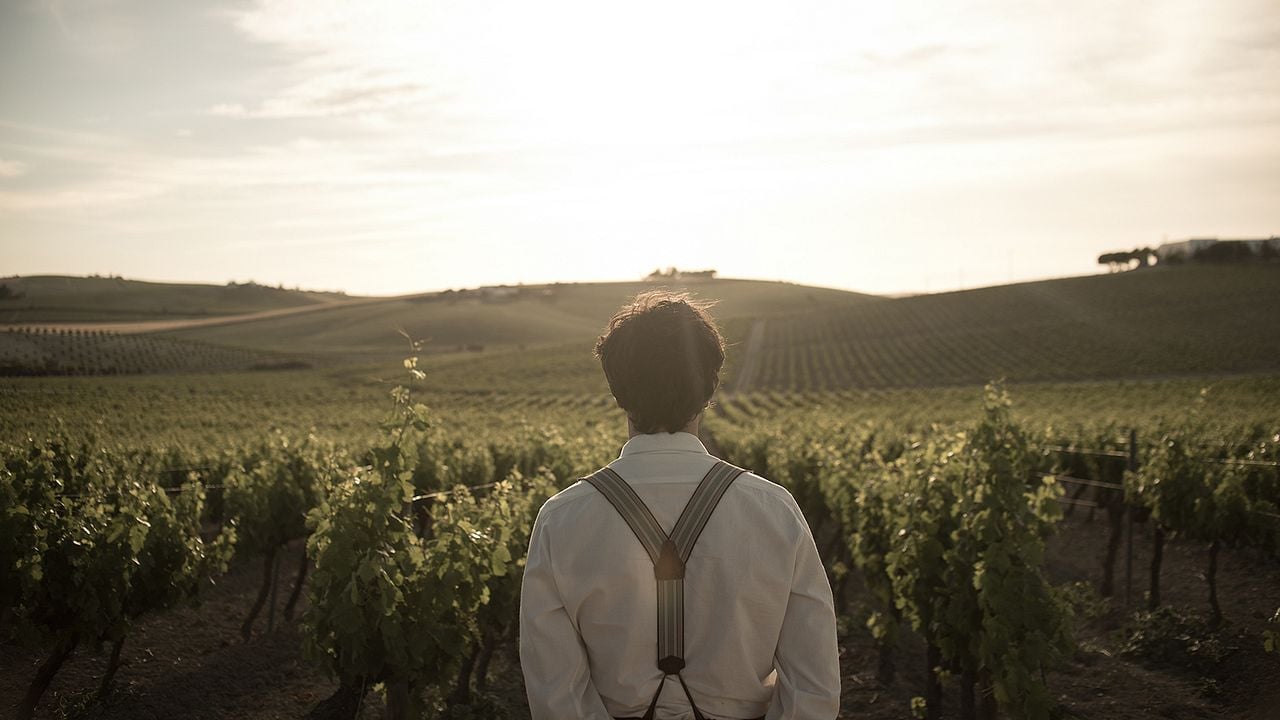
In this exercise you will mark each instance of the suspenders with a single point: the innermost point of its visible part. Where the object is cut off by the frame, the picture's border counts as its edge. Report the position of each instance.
(669, 554)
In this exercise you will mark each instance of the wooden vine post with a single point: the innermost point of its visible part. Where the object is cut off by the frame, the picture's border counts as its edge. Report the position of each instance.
(1128, 561)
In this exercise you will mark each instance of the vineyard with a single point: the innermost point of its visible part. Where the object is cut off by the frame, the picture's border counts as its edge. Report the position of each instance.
(1171, 322)
(529, 317)
(1178, 321)
(39, 352)
(1099, 536)
(405, 584)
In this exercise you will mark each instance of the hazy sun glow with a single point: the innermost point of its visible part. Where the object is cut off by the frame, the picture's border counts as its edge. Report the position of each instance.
(382, 146)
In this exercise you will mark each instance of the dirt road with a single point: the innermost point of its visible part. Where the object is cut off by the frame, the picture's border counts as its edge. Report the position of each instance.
(151, 326)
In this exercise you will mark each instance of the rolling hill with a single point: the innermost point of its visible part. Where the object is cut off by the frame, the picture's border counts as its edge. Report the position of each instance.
(1185, 322)
(1176, 321)
(1195, 320)
(499, 318)
(284, 328)
(60, 299)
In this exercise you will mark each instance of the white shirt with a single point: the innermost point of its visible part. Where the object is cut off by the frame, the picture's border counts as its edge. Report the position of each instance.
(760, 628)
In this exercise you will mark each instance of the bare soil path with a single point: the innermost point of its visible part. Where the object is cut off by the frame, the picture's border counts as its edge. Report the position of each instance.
(152, 326)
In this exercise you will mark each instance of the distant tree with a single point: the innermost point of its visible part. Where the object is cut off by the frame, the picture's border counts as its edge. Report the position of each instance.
(673, 273)
(1114, 260)
(1118, 261)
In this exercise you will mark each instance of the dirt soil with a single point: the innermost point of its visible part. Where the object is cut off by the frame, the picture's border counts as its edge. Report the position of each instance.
(190, 662)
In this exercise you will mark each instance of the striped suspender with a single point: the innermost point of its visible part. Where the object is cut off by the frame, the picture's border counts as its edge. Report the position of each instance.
(669, 555)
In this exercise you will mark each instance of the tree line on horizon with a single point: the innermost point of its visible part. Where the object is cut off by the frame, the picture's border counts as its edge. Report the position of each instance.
(1211, 251)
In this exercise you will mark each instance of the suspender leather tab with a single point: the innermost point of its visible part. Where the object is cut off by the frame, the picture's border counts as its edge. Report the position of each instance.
(669, 565)
(671, 664)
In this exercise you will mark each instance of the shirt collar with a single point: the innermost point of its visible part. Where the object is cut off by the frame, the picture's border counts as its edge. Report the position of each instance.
(663, 442)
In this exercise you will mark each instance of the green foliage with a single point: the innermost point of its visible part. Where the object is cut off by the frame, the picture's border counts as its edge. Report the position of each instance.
(91, 541)
(267, 497)
(944, 516)
(1170, 482)
(175, 560)
(947, 528)
(1167, 637)
(1083, 599)
(33, 352)
(401, 586)
(498, 617)
(1006, 517)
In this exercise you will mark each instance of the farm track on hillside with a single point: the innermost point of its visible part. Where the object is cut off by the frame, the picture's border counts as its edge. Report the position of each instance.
(156, 326)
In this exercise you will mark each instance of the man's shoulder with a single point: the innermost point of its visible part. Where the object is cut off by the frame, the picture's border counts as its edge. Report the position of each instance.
(751, 479)
(567, 497)
(765, 491)
(770, 492)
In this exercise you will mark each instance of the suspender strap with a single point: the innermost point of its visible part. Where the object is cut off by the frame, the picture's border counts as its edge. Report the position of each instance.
(668, 554)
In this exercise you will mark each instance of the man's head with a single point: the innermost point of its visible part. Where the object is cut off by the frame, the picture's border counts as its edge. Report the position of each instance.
(662, 355)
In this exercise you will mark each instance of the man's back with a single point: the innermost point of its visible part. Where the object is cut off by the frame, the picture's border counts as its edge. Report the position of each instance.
(758, 609)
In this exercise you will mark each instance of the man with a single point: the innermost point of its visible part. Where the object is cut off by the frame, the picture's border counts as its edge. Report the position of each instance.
(757, 635)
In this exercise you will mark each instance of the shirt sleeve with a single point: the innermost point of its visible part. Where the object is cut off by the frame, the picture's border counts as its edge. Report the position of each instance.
(557, 673)
(807, 660)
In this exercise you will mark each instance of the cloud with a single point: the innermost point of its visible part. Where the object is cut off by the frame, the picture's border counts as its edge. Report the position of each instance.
(105, 174)
(437, 124)
(572, 73)
(330, 95)
(97, 195)
(12, 168)
(341, 59)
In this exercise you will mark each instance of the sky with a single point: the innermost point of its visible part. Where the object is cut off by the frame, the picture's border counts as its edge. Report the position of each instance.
(383, 147)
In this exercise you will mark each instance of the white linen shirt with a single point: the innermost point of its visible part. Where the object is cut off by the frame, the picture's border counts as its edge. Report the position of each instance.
(760, 629)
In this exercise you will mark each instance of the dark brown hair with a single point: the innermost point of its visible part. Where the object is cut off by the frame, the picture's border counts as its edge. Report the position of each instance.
(662, 355)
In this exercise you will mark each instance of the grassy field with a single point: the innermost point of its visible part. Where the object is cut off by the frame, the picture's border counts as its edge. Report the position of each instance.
(58, 299)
